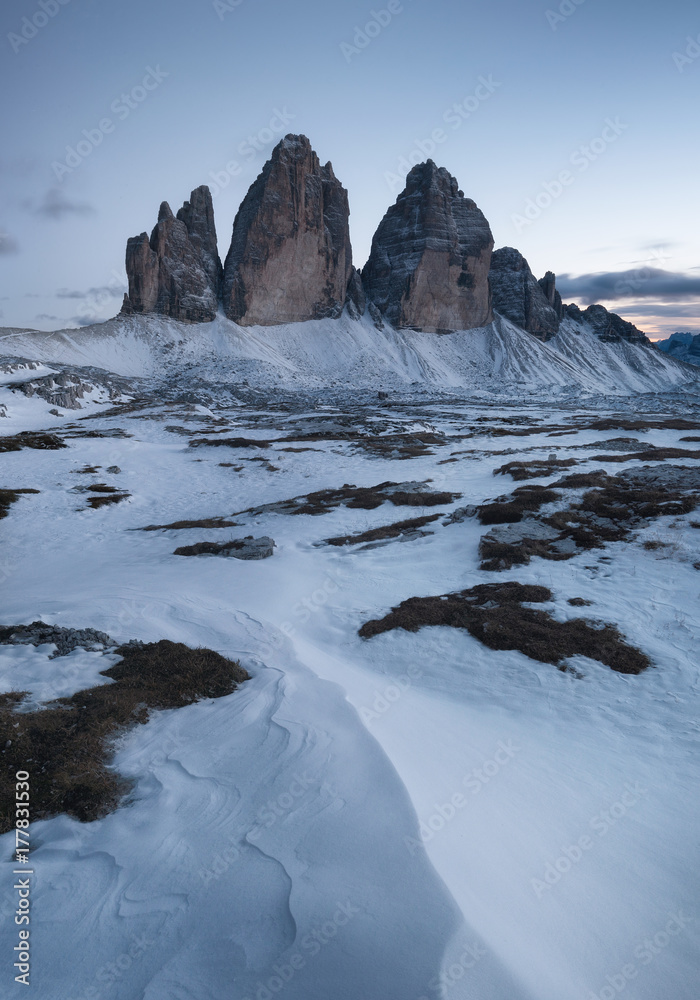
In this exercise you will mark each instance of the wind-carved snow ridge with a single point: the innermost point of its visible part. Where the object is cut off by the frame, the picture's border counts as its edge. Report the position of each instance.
(491, 361)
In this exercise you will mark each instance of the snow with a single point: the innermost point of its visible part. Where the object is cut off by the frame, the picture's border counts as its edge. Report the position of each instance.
(495, 360)
(362, 816)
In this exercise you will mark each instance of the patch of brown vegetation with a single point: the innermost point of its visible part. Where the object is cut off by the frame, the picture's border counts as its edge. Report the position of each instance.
(650, 455)
(580, 480)
(356, 497)
(103, 500)
(510, 509)
(579, 602)
(651, 545)
(610, 512)
(68, 746)
(206, 522)
(394, 530)
(39, 440)
(235, 442)
(497, 616)
(8, 497)
(534, 468)
(89, 470)
(691, 439)
(399, 446)
(640, 424)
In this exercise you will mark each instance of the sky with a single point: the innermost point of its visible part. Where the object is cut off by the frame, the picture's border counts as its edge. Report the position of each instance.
(573, 125)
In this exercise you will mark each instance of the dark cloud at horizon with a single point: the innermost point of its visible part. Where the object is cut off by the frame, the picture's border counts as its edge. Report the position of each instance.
(637, 283)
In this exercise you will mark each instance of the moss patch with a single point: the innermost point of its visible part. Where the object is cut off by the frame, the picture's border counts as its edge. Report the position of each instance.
(68, 746)
(394, 530)
(497, 615)
(32, 439)
(8, 497)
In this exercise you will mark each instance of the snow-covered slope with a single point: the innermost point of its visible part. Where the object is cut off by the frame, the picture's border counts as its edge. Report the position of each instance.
(345, 352)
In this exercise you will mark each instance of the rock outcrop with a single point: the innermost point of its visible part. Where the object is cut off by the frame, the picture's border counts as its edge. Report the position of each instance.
(519, 297)
(290, 258)
(548, 284)
(606, 325)
(177, 272)
(429, 264)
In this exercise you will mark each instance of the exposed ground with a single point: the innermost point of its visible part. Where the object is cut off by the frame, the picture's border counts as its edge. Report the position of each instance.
(498, 616)
(68, 745)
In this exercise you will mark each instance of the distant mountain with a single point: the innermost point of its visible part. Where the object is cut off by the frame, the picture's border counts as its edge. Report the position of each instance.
(683, 346)
(288, 307)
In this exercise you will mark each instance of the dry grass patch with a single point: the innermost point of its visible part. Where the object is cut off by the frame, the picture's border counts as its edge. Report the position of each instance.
(534, 468)
(394, 530)
(357, 497)
(511, 509)
(497, 615)
(206, 522)
(8, 497)
(39, 440)
(68, 746)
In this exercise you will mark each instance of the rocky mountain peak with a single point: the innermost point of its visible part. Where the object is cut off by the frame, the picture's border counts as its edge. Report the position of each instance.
(430, 258)
(290, 258)
(177, 271)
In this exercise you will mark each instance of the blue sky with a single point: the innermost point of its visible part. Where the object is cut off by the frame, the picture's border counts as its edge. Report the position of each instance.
(572, 125)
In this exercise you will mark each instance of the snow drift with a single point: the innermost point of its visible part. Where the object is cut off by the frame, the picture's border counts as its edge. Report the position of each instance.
(496, 359)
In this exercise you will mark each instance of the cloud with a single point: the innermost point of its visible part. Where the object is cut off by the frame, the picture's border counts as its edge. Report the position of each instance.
(8, 244)
(691, 310)
(46, 316)
(85, 320)
(642, 282)
(103, 291)
(56, 205)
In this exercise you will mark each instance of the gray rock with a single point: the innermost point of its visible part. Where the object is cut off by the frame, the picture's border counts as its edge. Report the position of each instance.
(238, 548)
(527, 528)
(356, 302)
(177, 271)
(65, 639)
(606, 325)
(114, 469)
(548, 284)
(290, 258)
(461, 514)
(518, 296)
(430, 258)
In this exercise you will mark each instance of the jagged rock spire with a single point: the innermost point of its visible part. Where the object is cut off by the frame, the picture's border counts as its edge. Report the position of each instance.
(290, 258)
(176, 272)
